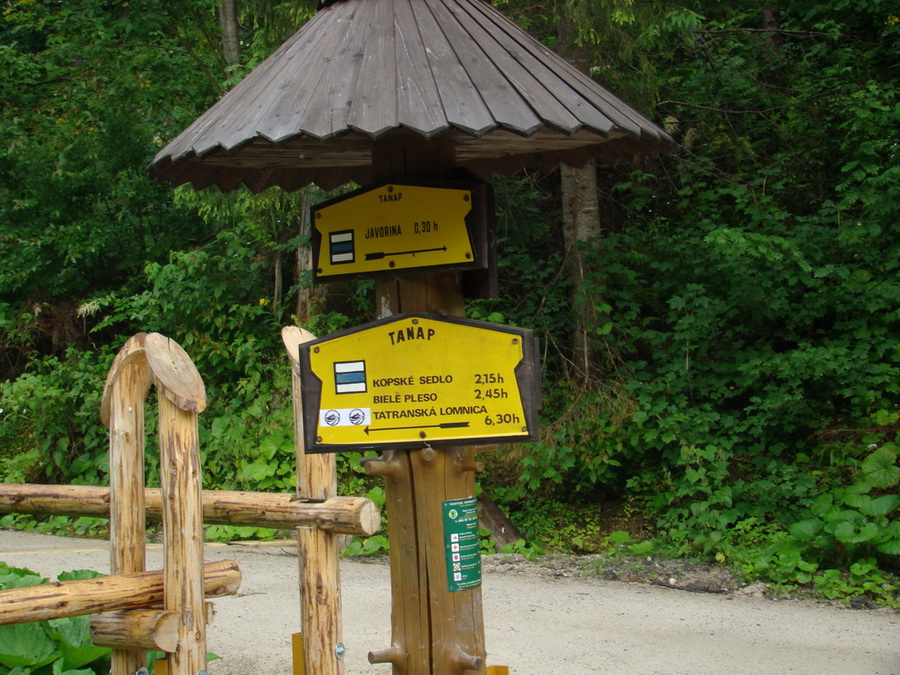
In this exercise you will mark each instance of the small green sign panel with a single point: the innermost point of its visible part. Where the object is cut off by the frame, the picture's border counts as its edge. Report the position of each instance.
(397, 227)
(462, 544)
(416, 380)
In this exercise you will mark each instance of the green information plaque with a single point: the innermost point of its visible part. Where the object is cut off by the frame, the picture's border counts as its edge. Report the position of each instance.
(462, 544)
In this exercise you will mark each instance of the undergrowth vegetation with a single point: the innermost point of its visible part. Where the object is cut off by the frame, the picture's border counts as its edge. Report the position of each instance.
(745, 408)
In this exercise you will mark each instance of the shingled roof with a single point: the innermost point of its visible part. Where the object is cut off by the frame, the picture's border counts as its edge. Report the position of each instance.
(364, 70)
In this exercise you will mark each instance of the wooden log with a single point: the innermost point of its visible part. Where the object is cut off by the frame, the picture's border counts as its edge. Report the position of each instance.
(320, 601)
(143, 629)
(175, 375)
(61, 599)
(411, 641)
(320, 583)
(316, 473)
(341, 515)
(180, 471)
(125, 391)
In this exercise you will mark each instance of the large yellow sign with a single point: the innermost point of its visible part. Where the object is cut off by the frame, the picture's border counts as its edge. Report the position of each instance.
(394, 227)
(419, 380)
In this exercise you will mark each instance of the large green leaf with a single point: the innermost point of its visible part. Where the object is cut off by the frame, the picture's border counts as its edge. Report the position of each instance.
(852, 533)
(880, 506)
(59, 668)
(18, 577)
(880, 468)
(806, 530)
(890, 536)
(26, 644)
(78, 575)
(891, 547)
(74, 640)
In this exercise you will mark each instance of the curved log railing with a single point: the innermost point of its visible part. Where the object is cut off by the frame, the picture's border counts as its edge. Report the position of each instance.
(151, 358)
(125, 604)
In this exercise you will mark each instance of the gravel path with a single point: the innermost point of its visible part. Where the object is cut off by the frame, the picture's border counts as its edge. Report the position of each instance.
(541, 618)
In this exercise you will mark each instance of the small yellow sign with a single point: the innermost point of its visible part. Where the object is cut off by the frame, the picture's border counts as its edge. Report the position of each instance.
(391, 228)
(418, 380)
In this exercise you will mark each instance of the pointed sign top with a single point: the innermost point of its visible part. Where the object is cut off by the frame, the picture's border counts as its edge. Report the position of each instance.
(365, 70)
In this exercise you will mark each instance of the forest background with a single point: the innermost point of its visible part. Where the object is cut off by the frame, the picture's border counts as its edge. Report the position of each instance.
(721, 374)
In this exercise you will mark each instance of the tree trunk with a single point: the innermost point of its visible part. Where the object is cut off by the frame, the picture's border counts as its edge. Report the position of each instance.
(581, 228)
(581, 224)
(308, 296)
(231, 41)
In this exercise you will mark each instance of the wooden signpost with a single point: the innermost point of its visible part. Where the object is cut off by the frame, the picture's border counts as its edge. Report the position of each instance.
(401, 94)
(426, 387)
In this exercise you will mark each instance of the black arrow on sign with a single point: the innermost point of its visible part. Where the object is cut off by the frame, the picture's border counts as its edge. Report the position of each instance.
(444, 425)
(378, 255)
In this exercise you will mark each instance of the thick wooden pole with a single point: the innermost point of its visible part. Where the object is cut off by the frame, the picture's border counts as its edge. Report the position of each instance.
(319, 553)
(341, 515)
(128, 384)
(61, 599)
(434, 631)
(181, 398)
(183, 525)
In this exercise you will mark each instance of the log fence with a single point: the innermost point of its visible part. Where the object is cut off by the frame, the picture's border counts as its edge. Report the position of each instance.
(135, 610)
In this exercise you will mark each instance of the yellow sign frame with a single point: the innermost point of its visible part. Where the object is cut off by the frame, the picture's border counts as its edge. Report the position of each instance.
(419, 379)
(399, 227)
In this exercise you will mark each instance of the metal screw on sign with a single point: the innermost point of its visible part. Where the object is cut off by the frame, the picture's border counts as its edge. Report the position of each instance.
(340, 650)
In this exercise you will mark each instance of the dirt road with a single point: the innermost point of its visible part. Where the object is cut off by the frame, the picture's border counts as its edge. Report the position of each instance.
(536, 621)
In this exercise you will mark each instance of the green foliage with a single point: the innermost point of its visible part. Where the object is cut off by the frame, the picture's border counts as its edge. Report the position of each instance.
(750, 281)
(54, 647)
(49, 420)
(226, 533)
(80, 526)
(521, 547)
(859, 520)
(624, 543)
(558, 526)
(377, 544)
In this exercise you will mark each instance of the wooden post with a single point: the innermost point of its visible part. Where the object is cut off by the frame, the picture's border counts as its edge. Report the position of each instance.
(434, 631)
(320, 584)
(181, 398)
(125, 391)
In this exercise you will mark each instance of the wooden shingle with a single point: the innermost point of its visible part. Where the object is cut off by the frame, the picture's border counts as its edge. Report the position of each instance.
(364, 70)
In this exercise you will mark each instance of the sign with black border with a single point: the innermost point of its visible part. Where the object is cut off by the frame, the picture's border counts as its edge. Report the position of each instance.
(419, 379)
(401, 227)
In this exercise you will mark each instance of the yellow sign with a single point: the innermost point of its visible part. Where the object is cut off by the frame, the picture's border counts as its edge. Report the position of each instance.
(418, 380)
(391, 228)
